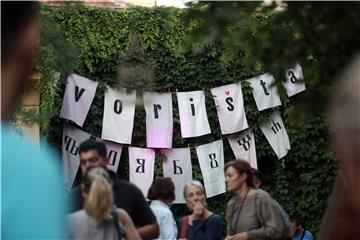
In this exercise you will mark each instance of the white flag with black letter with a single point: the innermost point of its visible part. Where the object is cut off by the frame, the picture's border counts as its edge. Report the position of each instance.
(141, 167)
(294, 83)
(119, 112)
(159, 119)
(177, 165)
(230, 108)
(276, 135)
(243, 146)
(71, 139)
(265, 93)
(192, 111)
(79, 94)
(113, 153)
(211, 160)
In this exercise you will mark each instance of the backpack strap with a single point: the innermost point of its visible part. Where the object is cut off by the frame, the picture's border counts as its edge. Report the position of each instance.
(184, 226)
(116, 222)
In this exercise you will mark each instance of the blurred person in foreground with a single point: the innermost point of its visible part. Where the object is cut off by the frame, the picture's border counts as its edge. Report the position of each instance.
(126, 195)
(161, 194)
(202, 223)
(33, 198)
(342, 217)
(99, 219)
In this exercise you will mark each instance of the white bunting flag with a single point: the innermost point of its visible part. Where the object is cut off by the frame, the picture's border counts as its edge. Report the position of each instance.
(71, 139)
(276, 135)
(119, 112)
(243, 146)
(114, 154)
(230, 108)
(265, 93)
(141, 167)
(177, 165)
(211, 160)
(79, 94)
(294, 83)
(159, 119)
(193, 117)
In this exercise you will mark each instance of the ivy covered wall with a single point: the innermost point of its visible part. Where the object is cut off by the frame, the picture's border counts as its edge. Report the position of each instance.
(98, 44)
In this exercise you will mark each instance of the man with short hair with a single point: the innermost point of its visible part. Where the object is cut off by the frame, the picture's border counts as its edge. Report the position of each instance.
(126, 195)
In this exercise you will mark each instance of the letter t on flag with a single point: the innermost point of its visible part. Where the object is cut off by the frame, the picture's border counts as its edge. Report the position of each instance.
(141, 167)
(79, 94)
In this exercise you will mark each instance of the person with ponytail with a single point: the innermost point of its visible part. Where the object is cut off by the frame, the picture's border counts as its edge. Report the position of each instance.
(99, 219)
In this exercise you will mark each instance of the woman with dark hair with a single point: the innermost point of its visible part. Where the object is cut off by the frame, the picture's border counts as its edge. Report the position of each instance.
(162, 194)
(99, 219)
(202, 223)
(251, 213)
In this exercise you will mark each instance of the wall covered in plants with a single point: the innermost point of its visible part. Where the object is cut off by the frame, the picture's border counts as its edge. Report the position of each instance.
(101, 44)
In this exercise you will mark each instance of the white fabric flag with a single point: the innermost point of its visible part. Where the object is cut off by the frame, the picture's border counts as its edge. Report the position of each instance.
(276, 135)
(114, 151)
(141, 167)
(177, 165)
(79, 94)
(243, 146)
(211, 160)
(159, 119)
(119, 112)
(71, 139)
(230, 108)
(265, 93)
(192, 111)
(293, 77)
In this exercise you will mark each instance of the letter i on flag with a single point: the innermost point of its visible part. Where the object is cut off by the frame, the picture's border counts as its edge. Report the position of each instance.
(177, 166)
(243, 146)
(192, 111)
(72, 137)
(79, 94)
(211, 160)
(141, 167)
(230, 108)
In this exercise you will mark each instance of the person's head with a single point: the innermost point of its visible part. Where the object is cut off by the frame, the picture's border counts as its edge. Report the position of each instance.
(20, 32)
(238, 174)
(162, 189)
(344, 116)
(296, 225)
(92, 154)
(194, 192)
(97, 192)
(256, 178)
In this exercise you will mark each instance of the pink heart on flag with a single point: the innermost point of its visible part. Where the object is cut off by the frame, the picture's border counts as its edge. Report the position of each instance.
(227, 92)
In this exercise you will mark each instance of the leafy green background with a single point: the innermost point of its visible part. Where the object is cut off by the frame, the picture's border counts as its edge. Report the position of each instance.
(111, 46)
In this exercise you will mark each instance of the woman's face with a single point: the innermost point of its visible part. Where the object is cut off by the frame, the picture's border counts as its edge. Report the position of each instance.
(194, 195)
(233, 180)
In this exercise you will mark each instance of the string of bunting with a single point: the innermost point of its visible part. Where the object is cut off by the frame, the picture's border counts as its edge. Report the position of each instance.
(118, 122)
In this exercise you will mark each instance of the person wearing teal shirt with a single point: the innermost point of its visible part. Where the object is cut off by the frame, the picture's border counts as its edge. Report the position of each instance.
(33, 203)
(297, 232)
